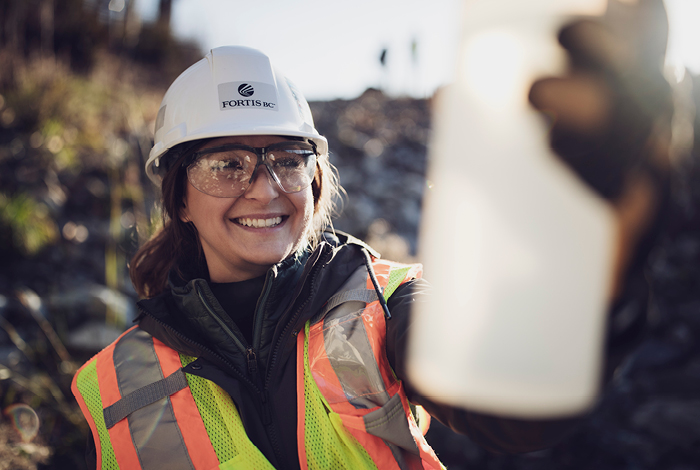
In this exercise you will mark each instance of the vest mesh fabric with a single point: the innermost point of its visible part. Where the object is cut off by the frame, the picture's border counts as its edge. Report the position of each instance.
(326, 441)
(224, 426)
(396, 277)
(89, 389)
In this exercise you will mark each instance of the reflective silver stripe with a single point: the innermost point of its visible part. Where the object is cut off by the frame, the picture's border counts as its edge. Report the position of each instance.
(349, 352)
(405, 460)
(389, 424)
(361, 295)
(154, 430)
(348, 349)
(144, 396)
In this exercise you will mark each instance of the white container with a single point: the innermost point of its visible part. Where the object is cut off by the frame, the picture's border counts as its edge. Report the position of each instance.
(518, 250)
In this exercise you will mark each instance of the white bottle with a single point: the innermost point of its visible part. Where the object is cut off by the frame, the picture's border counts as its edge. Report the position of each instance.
(518, 250)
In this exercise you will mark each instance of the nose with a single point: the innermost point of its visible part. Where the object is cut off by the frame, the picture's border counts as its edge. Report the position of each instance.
(263, 188)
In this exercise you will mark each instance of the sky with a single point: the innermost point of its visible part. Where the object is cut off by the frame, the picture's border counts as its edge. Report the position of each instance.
(331, 48)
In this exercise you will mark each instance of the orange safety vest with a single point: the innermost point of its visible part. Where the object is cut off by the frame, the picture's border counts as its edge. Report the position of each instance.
(145, 412)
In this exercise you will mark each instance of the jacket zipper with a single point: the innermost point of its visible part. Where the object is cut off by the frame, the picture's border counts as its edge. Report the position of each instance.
(272, 434)
(263, 394)
(283, 336)
(243, 347)
(258, 317)
(252, 361)
(232, 367)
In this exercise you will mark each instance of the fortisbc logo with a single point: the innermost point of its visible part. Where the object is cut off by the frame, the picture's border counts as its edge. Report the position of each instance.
(256, 95)
(246, 90)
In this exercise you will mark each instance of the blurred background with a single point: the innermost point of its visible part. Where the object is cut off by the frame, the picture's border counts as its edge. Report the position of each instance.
(80, 86)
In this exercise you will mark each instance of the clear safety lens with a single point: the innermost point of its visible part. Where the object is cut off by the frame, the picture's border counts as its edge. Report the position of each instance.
(227, 171)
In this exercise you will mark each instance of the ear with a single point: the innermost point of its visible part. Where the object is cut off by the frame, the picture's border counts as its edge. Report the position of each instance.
(184, 214)
(317, 186)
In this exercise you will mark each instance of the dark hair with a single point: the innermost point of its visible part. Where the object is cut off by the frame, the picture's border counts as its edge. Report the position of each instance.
(176, 241)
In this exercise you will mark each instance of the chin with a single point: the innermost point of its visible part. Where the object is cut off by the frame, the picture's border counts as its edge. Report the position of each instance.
(270, 258)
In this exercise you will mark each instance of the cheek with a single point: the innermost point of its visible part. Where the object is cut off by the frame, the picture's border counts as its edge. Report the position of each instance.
(304, 204)
(203, 210)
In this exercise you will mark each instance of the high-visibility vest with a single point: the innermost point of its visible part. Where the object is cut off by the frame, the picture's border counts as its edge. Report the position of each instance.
(146, 413)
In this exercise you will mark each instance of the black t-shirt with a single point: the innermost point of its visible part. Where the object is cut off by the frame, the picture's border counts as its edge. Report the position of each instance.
(239, 300)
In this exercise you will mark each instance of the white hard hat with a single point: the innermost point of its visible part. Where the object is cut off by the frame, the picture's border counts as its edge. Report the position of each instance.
(234, 90)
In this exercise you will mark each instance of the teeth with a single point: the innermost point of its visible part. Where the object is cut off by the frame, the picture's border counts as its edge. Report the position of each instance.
(259, 223)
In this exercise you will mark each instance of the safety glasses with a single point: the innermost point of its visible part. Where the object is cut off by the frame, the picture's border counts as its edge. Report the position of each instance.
(228, 170)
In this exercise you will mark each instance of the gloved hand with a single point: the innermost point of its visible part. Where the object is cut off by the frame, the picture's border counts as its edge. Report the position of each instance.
(611, 117)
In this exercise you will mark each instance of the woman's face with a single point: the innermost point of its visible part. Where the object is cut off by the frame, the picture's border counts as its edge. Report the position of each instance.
(236, 243)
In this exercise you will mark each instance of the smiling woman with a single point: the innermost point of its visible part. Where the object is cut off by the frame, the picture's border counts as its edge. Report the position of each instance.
(240, 286)
(231, 174)
(243, 236)
(263, 339)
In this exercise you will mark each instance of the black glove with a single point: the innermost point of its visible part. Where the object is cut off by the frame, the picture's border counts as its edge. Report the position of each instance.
(611, 119)
(613, 107)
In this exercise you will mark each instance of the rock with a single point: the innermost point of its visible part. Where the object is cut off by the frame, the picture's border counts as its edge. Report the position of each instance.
(95, 301)
(93, 336)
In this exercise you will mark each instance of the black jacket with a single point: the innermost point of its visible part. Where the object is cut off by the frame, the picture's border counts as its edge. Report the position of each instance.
(261, 377)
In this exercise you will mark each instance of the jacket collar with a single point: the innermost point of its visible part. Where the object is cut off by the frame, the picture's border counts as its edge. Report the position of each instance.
(188, 314)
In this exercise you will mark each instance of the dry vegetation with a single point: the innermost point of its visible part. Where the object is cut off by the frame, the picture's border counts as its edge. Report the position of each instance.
(76, 119)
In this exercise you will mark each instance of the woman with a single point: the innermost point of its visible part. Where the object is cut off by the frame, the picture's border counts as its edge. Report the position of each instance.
(235, 284)
(262, 341)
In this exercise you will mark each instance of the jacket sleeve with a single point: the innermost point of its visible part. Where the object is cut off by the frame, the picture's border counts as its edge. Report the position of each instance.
(494, 433)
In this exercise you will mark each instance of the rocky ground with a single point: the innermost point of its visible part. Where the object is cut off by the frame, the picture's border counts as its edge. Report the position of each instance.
(65, 301)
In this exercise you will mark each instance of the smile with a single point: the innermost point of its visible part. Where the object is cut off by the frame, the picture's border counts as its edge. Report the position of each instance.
(259, 223)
